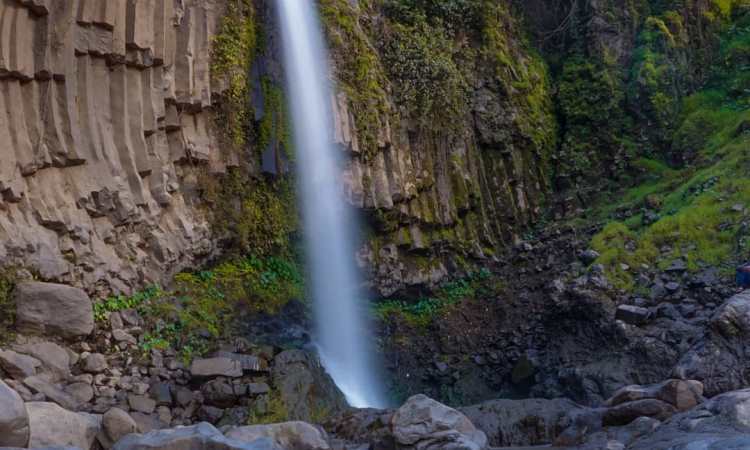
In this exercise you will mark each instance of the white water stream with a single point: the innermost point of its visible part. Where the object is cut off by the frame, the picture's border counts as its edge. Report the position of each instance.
(342, 333)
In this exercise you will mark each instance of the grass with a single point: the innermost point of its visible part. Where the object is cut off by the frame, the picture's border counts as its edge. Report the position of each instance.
(7, 305)
(702, 206)
(421, 312)
(197, 312)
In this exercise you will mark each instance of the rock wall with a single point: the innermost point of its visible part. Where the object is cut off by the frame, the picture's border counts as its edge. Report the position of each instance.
(106, 114)
(437, 199)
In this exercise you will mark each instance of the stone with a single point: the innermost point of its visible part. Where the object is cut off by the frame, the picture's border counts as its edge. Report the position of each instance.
(219, 393)
(634, 315)
(95, 363)
(426, 424)
(53, 309)
(249, 363)
(589, 256)
(682, 394)
(625, 413)
(123, 336)
(296, 435)
(146, 422)
(141, 403)
(200, 436)
(210, 414)
(14, 420)
(162, 393)
(17, 365)
(304, 386)
(254, 389)
(52, 425)
(52, 356)
(214, 367)
(116, 424)
(52, 392)
(81, 392)
(183, 396)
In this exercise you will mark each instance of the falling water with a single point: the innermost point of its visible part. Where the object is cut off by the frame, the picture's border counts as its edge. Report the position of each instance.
(342, 333)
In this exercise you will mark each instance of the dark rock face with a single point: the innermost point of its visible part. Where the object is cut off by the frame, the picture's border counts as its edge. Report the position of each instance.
(53, 309)
(521, 422)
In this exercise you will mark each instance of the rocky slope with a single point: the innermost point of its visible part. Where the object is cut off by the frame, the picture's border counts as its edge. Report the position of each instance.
(107, 118)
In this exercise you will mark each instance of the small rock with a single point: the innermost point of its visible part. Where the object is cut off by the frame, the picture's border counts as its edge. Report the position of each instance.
(255, 389)
(95, 363)
(81, 392)
(678, 265)
(123, 336)
(589, 256)
(213, 367)
(672, 286)
(210, 414)
(141, 403)
(161, 392)
(634, 315)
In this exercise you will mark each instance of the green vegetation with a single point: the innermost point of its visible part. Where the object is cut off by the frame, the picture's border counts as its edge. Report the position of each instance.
(200, 308)
(701, 208)
(273, 411)
(7, 305)
(258, 215)
(421, 313)
(234, 47)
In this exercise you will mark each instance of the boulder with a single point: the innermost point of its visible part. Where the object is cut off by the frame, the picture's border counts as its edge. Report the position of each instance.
(52, 425)
(721, 423)
(116, 424)
(428, 425)
(219, 393)
(506, 422)
(43, 385)
(141, 403)
(14, 421)
(200, 436)
(214, 367)
(305, 386)
(17, 365)
(53, 357)
(625, 413)
(296, 435)
(53, 309)
(682, 394)
(249, 363)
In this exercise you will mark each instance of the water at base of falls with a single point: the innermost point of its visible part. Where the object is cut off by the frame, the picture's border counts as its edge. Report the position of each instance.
(342, 333)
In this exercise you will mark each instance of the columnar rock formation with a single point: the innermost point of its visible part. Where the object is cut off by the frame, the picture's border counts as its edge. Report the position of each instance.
(105, 107)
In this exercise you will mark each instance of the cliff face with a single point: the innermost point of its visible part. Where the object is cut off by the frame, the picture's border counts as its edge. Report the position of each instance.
(105, 108)
(448, 124)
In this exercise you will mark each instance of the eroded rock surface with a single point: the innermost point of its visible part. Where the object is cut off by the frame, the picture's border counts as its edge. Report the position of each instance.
(103, 107)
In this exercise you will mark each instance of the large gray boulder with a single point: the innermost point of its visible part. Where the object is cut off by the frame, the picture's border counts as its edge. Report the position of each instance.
(722, 423)
(53, 357)
(14, 421)
(53, 309)
(424, 424)
(506, 422)
(196, 437)
(296, 435)
(53, 426)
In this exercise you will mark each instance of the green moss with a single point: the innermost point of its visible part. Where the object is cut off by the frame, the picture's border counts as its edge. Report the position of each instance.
(8, 279)
(275, 127)
(233, 51)
(273, 411)
(258, 215)
(358, 69)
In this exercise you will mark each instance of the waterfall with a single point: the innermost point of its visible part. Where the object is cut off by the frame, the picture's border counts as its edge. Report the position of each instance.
(342, 333)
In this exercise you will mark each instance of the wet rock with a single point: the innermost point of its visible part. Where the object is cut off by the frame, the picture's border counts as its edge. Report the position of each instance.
(14, 420)
(198, 436)
(53, 309)
(296, 435)
(426, 424)
(52, 425)
(213, 367)
(633, 315)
